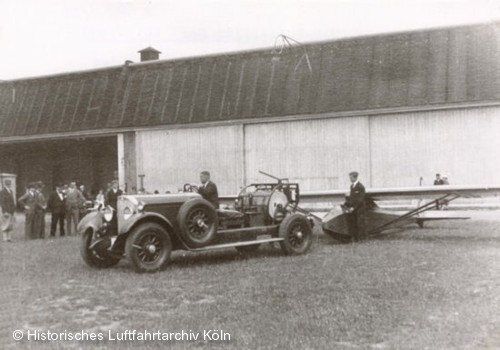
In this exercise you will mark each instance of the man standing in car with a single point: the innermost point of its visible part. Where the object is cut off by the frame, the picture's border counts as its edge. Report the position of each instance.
(208, 189)
(112, 195)
(355, 204)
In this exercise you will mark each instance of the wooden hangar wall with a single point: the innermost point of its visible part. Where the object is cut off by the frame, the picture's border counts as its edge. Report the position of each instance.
(388, 150)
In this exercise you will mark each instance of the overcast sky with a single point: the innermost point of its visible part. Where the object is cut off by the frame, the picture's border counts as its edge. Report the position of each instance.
(39, 37)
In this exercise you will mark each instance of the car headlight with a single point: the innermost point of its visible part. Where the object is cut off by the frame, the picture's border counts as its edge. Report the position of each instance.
(140, 206)
(108, 214)
(127, 213)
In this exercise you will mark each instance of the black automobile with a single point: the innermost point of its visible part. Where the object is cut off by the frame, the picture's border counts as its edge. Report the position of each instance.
(147, 228)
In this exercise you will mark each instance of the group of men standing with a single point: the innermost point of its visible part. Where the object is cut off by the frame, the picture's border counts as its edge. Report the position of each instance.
(69, 204)
(63, 203)
(66, 205)
(34, 204)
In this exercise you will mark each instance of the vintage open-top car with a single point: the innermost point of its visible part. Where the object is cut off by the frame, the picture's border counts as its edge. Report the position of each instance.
(147, 228)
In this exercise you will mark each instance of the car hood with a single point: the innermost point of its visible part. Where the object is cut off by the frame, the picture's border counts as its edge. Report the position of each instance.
(161, 198)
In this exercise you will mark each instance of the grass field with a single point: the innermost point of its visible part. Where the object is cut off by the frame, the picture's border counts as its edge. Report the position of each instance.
(432, 288)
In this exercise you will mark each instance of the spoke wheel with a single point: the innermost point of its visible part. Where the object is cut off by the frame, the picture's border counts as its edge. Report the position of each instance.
(148, 247)
(296, 232)
(197, 223)
(94, 256)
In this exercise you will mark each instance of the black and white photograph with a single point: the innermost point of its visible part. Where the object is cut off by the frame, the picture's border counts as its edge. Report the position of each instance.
(250, 174)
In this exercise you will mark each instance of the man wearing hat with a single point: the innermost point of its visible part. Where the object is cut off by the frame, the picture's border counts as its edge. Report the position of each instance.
(8, 208)
(356, 210)
(29, 202)
(57, 207)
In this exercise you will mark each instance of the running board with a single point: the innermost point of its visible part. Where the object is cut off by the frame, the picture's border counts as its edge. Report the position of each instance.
(259, 230)
(237, 244)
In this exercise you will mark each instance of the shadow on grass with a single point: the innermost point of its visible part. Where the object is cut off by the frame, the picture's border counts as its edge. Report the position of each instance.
(184, 259)
(427, 234)
(441, 238)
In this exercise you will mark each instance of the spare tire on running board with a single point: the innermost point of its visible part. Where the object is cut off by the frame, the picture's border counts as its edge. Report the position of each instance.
(197, 221)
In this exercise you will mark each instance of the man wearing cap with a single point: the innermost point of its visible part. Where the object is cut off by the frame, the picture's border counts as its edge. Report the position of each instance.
(29, 202)
(208, 189)
(8, 208)
(356, 208)
(57, 207)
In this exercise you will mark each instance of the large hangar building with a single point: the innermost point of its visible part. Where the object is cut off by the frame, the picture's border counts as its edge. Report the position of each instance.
(395, 107)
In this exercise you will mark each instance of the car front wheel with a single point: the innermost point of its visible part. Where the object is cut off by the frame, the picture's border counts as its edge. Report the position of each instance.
(95, 254)
(148, 247)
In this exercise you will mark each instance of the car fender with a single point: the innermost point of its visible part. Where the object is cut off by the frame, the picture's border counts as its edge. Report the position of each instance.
(141, 217)
(93, 220)
(138, 218)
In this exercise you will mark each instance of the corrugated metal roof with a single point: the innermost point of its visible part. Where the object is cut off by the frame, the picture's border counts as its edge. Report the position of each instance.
(440, 66)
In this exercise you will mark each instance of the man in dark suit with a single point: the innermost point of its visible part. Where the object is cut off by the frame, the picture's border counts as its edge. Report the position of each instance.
(112, 195)
(29, 201)
(208, 189)
(356, 208)
(438, 181)
(57, 207)
(8, 208)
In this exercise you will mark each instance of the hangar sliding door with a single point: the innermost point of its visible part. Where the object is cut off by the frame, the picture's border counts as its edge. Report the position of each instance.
(318, 154)
(171, 158)
(462, 143)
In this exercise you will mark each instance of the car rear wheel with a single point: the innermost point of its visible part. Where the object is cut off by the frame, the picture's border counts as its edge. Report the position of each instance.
(245, 249)
(197, 221)
(148, 247)
(296, 232)
(95, 256)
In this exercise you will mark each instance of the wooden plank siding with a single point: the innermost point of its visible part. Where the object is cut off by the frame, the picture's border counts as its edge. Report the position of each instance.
(317, 154)
(388, 151)
(424, 68)
(463, 144)
(217, 149)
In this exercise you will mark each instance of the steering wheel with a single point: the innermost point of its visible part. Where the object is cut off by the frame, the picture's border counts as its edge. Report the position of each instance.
(190, 188)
